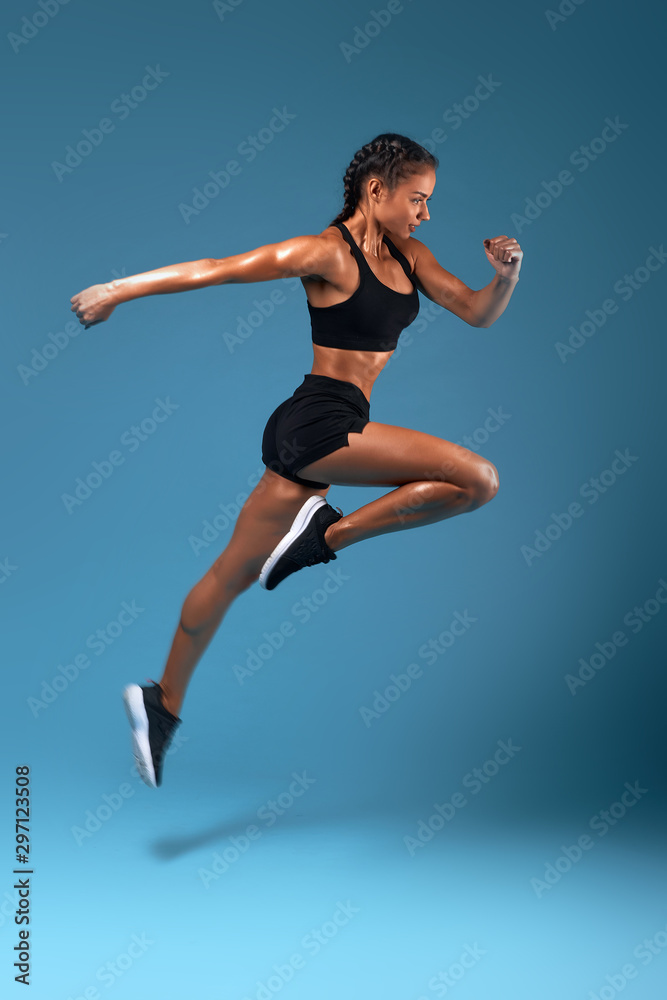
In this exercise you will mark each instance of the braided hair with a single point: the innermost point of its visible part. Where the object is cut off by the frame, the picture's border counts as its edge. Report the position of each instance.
(389, 156)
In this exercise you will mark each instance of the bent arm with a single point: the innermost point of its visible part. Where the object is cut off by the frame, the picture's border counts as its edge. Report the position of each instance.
(491, 301)
(476, 308)
(439, 285)
(291, 258)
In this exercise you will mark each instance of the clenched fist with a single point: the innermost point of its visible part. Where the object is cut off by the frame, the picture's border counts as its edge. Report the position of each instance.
(505, 254)
(93, 305)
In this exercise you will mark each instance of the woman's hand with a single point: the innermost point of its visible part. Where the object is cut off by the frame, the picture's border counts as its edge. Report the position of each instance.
(505, 255)
(93, 305)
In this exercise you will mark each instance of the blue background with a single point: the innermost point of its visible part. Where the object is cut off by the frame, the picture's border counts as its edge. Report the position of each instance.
(140, 866)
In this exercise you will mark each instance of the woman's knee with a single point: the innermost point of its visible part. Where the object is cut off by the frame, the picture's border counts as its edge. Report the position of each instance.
(485, 485)
(234, 580)
(208, 600)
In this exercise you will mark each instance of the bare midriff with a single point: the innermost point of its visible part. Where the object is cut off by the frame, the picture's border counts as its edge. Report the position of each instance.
(359, 367)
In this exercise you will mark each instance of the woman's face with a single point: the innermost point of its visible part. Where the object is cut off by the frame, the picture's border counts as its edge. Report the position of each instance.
(402, 211)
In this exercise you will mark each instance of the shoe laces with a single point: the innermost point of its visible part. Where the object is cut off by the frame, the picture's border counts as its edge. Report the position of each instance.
(312, 559)
(164, 722)
(165, 727)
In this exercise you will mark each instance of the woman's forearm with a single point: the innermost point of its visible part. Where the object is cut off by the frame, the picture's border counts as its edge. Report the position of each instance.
(490, 302)
(174, 278)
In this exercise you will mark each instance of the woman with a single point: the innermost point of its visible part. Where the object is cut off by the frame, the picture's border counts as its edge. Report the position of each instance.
(361, 286)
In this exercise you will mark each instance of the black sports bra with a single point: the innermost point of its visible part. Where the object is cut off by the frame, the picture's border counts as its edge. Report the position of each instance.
(373, 316)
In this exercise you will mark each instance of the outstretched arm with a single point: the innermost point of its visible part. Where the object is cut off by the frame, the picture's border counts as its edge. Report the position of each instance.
(297, 257)
(476, 308)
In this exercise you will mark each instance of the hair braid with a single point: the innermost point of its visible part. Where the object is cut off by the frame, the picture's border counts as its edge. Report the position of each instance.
(389, 156)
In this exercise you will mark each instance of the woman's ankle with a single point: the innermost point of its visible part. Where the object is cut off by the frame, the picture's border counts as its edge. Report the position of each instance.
(334, 537)
(170, 701)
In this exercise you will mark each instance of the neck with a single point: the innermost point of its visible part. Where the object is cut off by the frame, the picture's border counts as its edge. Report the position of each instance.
(366, 233)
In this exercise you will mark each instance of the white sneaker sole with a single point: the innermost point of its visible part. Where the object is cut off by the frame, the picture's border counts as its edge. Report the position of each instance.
(133, 699)
(301, 519)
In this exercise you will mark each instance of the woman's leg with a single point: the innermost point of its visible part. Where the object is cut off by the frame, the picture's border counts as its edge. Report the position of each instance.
(264, 519)
(436, 479)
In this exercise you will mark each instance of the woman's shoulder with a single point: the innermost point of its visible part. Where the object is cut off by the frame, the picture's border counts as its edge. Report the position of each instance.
(332, 231)
(328, 252)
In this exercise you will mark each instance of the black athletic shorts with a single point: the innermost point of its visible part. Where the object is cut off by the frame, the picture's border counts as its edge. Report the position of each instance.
(312, 423)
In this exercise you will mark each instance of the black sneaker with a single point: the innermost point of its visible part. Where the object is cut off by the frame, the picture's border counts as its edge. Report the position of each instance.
(152, 729)
(303, 545)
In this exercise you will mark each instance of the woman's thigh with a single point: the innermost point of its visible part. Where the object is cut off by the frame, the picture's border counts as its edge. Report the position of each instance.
(265, 518)
(385, 455)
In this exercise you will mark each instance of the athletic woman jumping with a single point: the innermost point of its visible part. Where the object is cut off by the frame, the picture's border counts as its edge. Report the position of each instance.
(361, 285)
